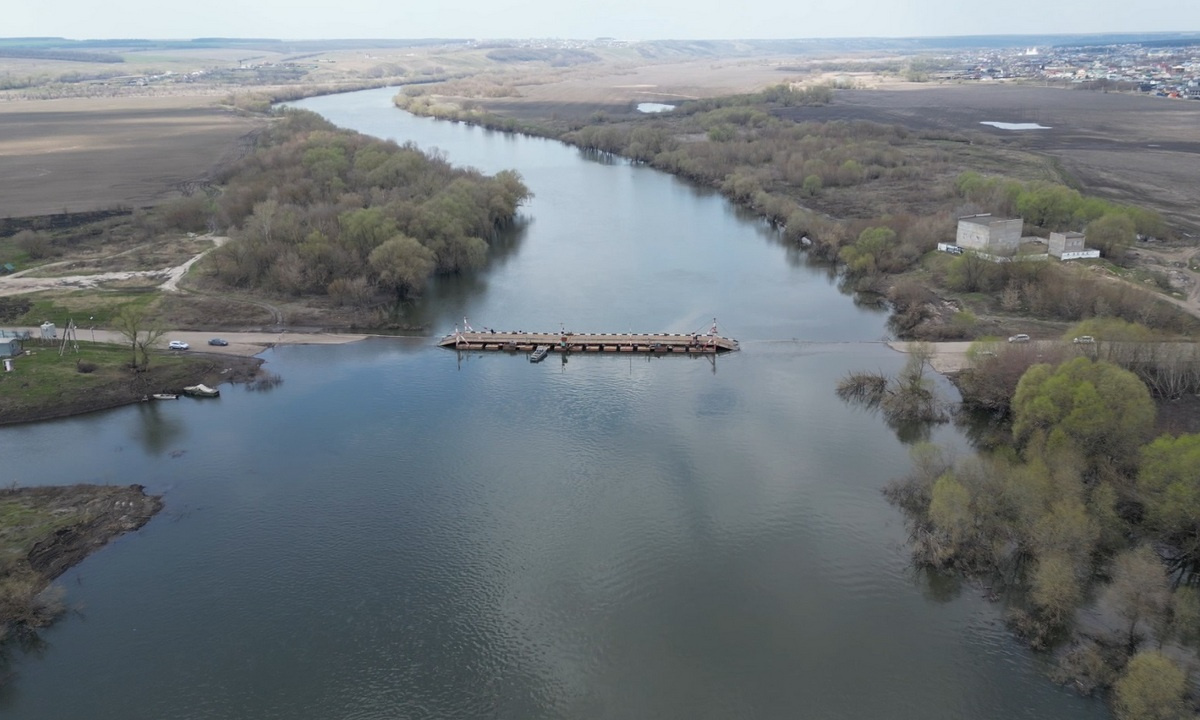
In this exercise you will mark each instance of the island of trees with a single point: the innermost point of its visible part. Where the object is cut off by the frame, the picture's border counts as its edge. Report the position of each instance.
(319, 211)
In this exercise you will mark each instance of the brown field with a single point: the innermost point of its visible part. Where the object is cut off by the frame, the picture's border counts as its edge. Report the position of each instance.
(1125, 147)
(1132, 148)
(126, 145)
(84, 154)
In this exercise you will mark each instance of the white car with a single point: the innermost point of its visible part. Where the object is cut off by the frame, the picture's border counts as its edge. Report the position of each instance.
(177, 345)
(1084, 340)
(1020, 337)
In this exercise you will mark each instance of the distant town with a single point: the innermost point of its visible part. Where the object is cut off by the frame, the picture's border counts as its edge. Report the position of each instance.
(1164, 70)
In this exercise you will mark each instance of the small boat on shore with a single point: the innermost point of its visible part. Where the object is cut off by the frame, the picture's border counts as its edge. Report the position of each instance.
(539, 354)
(201, 391)
(165, 396)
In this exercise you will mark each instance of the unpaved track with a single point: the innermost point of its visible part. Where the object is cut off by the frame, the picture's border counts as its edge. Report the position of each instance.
(20, 283)
(240, 343)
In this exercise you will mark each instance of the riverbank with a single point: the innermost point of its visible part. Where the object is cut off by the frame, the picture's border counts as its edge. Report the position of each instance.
(44, 531)
(44, 385)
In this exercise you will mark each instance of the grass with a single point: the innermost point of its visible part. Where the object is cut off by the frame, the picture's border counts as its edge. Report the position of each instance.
(87, 308)
(42, 373)
(43, 378)
(23, 521)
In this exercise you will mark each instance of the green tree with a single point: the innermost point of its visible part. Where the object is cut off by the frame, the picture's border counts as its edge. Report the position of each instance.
(812, 185)
(1099, 409)
(403, 265)
(950, 510)
(1048, 205)
(1151, 688)
(1055, 589)
(365, 230)
(1168, 484)
(863, 257)
(1111, 234)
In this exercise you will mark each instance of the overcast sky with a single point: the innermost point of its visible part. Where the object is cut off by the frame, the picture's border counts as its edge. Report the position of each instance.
(623, 19)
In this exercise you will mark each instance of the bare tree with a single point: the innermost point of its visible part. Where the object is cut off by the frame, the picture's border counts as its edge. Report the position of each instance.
(135, 325)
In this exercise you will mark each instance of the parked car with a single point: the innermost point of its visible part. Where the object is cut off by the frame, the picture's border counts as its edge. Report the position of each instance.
(1084, 340)
(178, 345)
(219, 342)
(1019, 337)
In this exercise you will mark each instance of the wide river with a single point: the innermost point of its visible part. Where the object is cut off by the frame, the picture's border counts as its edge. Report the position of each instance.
(398, 532)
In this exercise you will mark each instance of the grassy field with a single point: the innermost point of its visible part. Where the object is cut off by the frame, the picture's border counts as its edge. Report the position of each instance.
(96, 376)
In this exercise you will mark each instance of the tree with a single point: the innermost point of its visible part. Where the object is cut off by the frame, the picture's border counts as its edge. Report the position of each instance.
(950, 509)
(402, 264)
(862, 258)
(1139, 590)
(1151, 688)
(1055, 589)
(812, 185)
(1111, 234)
(1103, 411)
(135, 325)
(970, 272)
(35, 244)
(1168, 484)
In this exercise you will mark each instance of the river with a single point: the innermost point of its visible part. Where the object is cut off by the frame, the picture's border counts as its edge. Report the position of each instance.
(400, 532)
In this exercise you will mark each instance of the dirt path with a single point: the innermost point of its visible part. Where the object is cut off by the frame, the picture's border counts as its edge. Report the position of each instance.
(240, 343)
(20, 283)
(948, 357)
(1177, 263)
(176, 273)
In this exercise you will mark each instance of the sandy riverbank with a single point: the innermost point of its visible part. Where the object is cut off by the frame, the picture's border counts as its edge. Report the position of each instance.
(948, 357)
(240, 343)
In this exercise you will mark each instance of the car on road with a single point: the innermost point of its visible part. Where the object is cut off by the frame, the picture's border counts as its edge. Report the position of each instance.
(1019, 337)
(177, 345)
(219, 342)
(1084, 340)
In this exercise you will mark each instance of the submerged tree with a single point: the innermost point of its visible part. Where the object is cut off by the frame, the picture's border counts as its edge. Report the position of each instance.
(909, 396)
(1139, 591)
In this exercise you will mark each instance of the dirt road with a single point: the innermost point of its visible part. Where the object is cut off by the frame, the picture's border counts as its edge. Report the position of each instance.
(240, 343)
(27, 281)
(948, 357)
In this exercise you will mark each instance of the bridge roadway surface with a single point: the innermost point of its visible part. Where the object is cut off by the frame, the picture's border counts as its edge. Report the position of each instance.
(591, 342)
(947, 356)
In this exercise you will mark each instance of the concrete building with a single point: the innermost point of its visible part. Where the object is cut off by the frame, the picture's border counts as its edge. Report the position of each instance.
(1070, 246)
(988, 234)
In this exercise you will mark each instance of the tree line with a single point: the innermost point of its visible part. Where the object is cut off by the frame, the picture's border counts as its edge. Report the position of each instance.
(876, 200)
(1078, 504)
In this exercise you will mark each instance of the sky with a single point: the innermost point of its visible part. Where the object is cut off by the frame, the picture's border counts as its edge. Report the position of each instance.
(622, 19)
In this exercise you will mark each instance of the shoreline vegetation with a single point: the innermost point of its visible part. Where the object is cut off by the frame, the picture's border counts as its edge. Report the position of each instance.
(875, 200)
(1070, 511)
(1074, 510)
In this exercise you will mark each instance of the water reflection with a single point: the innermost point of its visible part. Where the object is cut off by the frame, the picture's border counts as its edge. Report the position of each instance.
(157, 429)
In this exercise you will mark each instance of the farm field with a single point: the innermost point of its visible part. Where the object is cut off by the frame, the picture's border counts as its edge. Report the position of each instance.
(85, 154)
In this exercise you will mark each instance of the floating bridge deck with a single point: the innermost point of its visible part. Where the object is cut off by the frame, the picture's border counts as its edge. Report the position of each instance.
(647, 343)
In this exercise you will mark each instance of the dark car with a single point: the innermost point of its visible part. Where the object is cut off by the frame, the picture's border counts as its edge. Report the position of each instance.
(218, 341)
